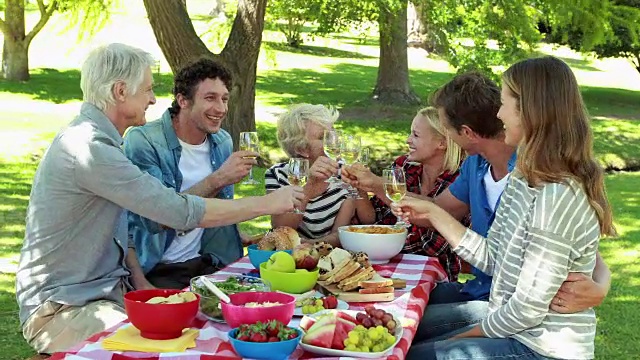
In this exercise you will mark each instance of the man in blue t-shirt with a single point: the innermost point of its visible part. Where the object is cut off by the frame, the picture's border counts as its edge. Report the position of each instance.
(468, 106)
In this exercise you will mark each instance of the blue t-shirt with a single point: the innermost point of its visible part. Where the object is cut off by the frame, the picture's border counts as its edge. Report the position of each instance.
(469, 188)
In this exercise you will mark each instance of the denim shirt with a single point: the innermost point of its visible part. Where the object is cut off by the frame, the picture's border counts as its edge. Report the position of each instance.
(469, 188)
(155, 149)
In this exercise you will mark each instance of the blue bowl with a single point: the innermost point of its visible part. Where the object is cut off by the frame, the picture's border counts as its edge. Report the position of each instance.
(257, 256)
(266, 351)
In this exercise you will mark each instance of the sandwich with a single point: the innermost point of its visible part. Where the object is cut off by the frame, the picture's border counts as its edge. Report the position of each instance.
(329, 264)
(376, 285)
(351, 271)
(352, 282)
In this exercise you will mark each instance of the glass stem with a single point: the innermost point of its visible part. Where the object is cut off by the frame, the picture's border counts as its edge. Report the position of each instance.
(251, 174)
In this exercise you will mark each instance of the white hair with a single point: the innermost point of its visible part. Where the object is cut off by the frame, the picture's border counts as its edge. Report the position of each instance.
(109, 64)
(292, 125)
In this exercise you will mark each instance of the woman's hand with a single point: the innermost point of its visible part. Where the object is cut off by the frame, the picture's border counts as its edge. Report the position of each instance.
(411, 209)
(578, 293)
(360, 177)
(321, 169)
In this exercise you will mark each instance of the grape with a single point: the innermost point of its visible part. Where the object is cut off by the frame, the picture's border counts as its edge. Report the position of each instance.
(377, 348)
(369, 309)
(360, 328)
(367, 322)
(351, 347)
(378, 314)
(374, 334)
(318, 302)
(390, 339)
(354, 337)
(386, 318)
(377, 322)
(364, 349)
(391, 325)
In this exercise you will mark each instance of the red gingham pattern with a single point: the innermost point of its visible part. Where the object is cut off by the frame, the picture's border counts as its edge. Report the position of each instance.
(421, 274)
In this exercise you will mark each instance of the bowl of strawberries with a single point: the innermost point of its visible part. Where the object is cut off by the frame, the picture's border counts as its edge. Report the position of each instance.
(270, 340)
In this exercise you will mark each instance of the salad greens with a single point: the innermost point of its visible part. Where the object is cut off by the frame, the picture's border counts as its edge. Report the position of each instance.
(210, 303)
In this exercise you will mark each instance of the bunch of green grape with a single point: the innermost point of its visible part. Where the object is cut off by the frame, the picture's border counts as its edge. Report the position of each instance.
(374, 339)
(313, 306)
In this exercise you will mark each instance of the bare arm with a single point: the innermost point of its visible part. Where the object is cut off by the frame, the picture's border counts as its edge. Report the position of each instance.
(220, 212)
(364, 209)
(138, 280)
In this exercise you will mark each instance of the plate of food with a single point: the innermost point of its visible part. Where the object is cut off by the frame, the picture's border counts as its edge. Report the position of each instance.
(372, 333)
(313, 302)
(210, 303)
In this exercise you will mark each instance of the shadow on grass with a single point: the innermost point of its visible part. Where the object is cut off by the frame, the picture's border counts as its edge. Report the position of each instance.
(319, 51)
(357, 40)
(613, 103)
(14, 194)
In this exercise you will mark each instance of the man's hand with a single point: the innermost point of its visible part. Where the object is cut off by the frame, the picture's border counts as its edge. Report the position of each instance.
(236, 167)
(141, 283)
(359, 176)
(250, 239)
(284, 200)
(578, 293)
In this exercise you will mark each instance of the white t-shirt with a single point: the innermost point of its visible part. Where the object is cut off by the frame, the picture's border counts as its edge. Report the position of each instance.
(194, 165)
(494, 188)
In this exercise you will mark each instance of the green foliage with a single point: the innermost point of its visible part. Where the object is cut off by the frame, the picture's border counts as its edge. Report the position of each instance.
(219, 28)
(89, 15)
(290, 17)
(621, 40)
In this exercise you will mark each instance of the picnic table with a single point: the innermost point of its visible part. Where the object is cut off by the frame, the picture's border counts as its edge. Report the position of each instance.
(421, 274)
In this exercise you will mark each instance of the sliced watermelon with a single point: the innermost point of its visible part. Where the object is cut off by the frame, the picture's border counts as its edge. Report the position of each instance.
(306, 323)
(347, 317)
(343, 327)
(320, 336)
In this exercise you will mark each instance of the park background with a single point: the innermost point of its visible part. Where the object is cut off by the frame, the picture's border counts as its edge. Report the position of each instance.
(339, 68)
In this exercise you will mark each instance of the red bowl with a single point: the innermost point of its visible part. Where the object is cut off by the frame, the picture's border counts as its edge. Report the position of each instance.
(159, 321)
(236, 314)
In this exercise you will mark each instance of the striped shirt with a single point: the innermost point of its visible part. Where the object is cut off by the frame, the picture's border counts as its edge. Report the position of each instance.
(321, 211)
(538, 237)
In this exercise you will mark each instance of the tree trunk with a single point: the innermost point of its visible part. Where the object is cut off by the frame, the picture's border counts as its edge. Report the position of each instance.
(180, 44)
(392, 86)
(15, 59)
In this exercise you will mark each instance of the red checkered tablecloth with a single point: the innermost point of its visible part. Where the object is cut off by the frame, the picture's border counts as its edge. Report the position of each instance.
(421, 274)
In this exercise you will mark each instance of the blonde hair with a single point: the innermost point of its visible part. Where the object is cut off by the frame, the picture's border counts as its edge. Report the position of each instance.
(453, 154)
(557, 142)
(292, 125)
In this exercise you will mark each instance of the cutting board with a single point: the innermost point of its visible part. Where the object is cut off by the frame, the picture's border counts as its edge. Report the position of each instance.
(354, 295)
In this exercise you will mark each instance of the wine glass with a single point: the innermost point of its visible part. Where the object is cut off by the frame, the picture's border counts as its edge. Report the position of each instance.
(332, 147)
(395, 186)
(298, 173)
(365, 157)
(249, 142)
(349, 153)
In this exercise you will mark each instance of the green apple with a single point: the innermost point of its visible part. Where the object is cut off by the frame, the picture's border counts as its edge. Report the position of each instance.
(302, 270)
(281, 262)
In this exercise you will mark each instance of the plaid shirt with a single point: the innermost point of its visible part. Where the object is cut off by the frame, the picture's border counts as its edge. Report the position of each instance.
(423, 240)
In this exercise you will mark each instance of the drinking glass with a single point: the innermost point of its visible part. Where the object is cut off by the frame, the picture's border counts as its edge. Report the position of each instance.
(395, 187)
(332, 148)
(349, 153)
(298, 173)
(249, 142)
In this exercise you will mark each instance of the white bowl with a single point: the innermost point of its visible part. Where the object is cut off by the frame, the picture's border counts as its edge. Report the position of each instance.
(380, 247)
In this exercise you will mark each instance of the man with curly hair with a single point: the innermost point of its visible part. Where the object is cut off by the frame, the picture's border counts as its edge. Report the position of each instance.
(188, 151)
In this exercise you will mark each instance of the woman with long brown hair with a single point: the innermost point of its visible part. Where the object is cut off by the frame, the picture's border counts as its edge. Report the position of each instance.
(549, 222)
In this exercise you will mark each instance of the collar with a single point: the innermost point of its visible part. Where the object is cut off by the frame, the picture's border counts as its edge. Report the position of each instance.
(98, 118)
(512, 161)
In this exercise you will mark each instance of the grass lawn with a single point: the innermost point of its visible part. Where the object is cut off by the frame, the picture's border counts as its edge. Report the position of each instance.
(338, 70)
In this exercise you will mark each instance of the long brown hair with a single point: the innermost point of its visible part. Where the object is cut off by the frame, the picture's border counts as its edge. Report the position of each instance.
(557, 141)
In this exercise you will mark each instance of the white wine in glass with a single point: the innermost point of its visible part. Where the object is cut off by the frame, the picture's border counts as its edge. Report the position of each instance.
(332, 147)
(249, 142)
(395, 187)
(298, 173)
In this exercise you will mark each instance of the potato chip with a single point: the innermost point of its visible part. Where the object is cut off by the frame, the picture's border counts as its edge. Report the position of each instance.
(178, 298)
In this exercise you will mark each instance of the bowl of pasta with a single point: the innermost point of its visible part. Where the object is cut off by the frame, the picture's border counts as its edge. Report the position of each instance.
(380, 242)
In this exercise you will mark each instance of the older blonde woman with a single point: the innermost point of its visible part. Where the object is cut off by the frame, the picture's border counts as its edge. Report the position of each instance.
(430, 167)
(326, 207)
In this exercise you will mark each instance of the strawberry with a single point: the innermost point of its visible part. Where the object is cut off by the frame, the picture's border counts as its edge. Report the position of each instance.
(258, 336)
(273, 327)
(330, 302)
(273, 339)
(292, 335)
(243, 337)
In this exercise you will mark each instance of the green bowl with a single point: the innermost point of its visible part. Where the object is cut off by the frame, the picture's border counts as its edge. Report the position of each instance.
(292, 283)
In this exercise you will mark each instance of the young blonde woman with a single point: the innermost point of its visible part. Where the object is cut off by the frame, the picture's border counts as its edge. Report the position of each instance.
(326, 207)
(430, 166)
(548, 223)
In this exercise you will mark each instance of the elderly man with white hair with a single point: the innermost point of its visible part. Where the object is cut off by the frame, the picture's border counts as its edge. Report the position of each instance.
(77, 260)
